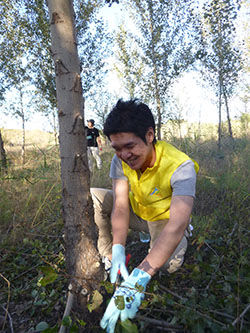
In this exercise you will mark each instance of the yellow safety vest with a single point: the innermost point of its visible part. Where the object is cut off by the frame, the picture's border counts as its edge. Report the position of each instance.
(151, 194)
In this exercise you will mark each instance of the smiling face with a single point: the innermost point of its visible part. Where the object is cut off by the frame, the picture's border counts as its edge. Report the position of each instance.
(133, 150)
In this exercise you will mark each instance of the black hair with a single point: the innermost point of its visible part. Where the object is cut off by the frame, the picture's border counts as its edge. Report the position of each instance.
(130, 117)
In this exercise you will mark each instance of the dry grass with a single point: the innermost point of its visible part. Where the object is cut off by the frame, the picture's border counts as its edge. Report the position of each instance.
(13, 139)
(30, 193)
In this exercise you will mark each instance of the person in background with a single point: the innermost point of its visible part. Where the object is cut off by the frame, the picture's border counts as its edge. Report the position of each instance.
(94, 144)
(153, 191)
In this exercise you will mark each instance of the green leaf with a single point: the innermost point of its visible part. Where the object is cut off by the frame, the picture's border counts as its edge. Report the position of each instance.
(139, 287)
(34, 293)
(108, 286)
(96, 301)
(74, 329)
(196, 269)
(67, 321)
(144, 304)
(52, 330)
(119, 302)
(156, 299)
(128, 327)
(81, 322)
(50, 275)
(42, 326)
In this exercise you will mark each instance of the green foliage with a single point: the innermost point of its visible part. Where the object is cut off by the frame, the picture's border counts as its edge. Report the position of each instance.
(96, 301)
(120, 302)
(67, 321)
(26, 58)
(130, 67)
(128, 327)
(50, 275)
(164, 45)
(222, 57)
(31, 237)
(94, 45)
(108, 286)
(42, 326)
(244, 121)
(139, 287)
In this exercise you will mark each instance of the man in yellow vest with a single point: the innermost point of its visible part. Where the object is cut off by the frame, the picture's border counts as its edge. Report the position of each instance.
(153, 191)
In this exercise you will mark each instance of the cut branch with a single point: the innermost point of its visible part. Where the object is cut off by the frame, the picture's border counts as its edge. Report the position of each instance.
(160, 323)
(241, 315)
(10, 319)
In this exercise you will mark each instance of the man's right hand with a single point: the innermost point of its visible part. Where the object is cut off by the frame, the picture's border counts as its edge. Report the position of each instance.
(118, 263)
(126, 300)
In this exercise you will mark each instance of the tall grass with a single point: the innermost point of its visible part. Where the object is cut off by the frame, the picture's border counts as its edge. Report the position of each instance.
(30, 194)
(213, 284)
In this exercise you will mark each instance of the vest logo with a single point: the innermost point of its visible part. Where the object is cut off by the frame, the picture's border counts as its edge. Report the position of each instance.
(155, 191)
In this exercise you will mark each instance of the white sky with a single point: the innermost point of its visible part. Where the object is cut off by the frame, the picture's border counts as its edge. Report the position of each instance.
(197, 103)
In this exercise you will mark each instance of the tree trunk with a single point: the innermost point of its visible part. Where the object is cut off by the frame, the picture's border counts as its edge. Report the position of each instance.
(158, 101)
(228, 114)
(179, 126)
(159, 119)
(23, 125)
(156, 81)
(54, 126)
(219, 125)
(82, 258)
(3, 158)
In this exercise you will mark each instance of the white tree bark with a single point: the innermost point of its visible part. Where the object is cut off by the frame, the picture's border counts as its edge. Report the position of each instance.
(82, 258)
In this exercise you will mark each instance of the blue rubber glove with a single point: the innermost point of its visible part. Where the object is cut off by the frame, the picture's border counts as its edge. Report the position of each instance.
(126, 300)
(118, 263)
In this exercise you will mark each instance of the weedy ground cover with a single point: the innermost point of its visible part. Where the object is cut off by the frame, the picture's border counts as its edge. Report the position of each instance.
(210, 293)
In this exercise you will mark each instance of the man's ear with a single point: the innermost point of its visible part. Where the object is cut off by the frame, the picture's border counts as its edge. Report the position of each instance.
(150, 135)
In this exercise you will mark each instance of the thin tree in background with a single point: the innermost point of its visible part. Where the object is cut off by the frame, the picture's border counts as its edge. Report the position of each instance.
(167, 45)
(92, 48)
(82, 258)
(25, 52)
(129, 66)
(13, 66)
(3, 159)
(222, 58)
(94, 45)
(100, 104)
(40, 61)
(21, 109)
(20, 112)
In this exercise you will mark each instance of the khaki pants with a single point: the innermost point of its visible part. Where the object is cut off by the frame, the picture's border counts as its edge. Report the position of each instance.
(103, 203)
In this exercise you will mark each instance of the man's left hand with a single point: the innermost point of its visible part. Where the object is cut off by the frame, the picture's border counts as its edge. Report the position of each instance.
(126, 299)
